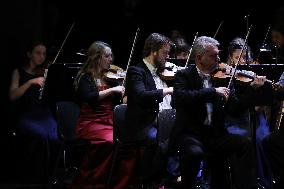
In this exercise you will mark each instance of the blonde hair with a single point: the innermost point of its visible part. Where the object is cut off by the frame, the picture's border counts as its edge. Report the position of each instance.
(91, 66)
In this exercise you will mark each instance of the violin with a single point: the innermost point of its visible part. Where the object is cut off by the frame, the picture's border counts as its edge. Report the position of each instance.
(114, 74)
(225, 71)
(169, 72)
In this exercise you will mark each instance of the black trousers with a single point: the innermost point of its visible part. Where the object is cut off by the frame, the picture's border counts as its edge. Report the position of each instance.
(152, 160)
(216, 150)
(273, 146)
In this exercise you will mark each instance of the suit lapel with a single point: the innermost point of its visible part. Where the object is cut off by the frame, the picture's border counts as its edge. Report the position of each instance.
(198, 84)
(150, 83)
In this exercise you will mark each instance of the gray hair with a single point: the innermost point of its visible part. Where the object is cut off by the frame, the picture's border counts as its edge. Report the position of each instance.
(201, 43)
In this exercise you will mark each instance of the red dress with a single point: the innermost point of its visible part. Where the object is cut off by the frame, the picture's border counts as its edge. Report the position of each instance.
(96, 125)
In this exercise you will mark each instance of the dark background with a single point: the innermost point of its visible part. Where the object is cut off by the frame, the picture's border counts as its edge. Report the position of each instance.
(116, 22)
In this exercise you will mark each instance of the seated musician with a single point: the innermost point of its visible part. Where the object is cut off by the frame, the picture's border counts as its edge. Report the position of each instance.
(199, 129)
(147, 94)
(244, 124)
(35, 122)
(240, 124)
(97, 97)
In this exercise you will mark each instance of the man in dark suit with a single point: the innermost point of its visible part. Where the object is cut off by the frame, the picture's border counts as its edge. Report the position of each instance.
(147, 94)
(200, 111)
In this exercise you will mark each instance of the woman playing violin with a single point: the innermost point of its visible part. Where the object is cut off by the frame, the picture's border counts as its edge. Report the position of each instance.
(241, 124)
(35, 122)
(96, 97)
(234, 54)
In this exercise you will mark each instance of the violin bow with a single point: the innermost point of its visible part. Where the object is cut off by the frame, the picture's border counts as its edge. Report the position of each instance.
(221, 23)
(131, 53)
(190, 50)
(46, 70)
(244, 46)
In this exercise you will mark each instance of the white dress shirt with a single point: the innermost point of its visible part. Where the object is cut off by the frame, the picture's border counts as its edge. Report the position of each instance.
(160, 84)
(207, 83)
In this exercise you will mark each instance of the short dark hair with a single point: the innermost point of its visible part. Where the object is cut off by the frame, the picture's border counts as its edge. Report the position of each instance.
(154, 42)
(181, 45)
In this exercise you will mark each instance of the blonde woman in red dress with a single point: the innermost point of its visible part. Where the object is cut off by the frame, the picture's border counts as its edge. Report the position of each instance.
(97, 98)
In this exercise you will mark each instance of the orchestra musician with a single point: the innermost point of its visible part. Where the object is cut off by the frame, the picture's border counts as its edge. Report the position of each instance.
(199, 127)
(147, 95)
(242, 124)
(97, 98)
(35, 124)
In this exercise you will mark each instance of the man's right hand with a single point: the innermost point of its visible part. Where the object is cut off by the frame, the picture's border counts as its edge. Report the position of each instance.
(223, 91)
(168, 90)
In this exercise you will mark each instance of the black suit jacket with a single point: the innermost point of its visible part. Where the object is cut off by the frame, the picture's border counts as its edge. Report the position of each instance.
(190, 102)
(143, 100)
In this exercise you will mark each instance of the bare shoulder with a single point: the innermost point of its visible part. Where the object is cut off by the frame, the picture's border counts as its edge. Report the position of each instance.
(15, 74)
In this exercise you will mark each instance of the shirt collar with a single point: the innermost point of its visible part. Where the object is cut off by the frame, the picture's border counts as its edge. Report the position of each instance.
(203, 75)
(150, 66)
